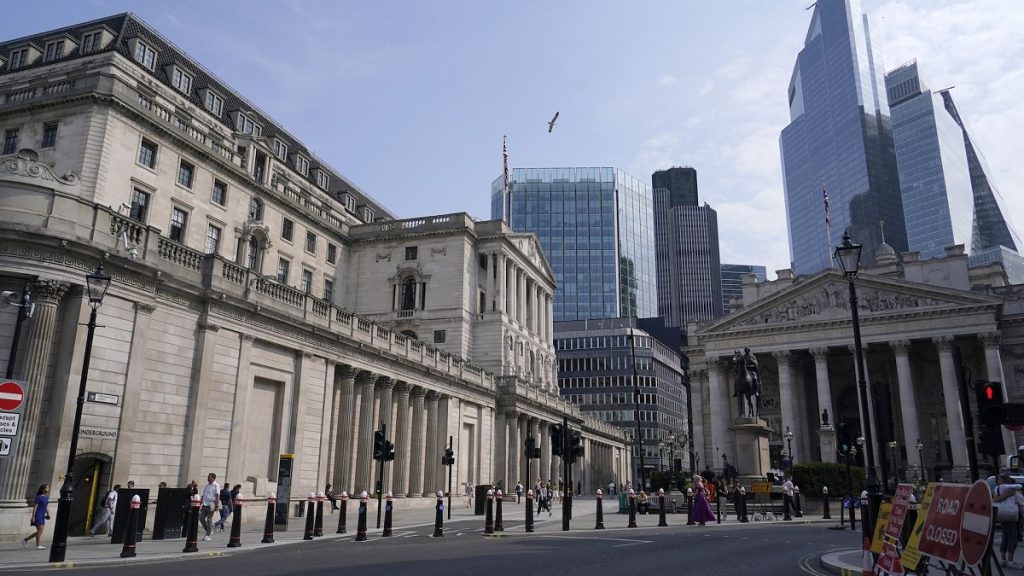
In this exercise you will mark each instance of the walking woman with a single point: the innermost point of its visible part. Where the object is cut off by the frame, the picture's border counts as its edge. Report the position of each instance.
(1007, 514)
(701, 507)
(39, 517)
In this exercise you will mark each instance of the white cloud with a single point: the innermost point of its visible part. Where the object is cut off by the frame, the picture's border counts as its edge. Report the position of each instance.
(667, 80)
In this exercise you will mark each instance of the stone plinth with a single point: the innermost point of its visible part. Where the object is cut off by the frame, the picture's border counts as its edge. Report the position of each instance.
(752, 457)
(827, 442)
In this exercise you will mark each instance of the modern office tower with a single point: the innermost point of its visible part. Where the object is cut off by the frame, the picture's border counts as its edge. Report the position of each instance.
(732, 281)
(596, 226)
(595, 372)
(839, 138)
(948, 197)
(689, 269)
(680, 181)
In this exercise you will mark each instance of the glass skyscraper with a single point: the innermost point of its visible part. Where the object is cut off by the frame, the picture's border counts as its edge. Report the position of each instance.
(596, 226)
(839, 138)
(732, 281)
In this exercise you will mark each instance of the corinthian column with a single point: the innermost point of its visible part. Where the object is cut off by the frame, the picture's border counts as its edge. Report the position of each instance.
(419, 443)
(908, 400)
(364, 465)
(346, 412)
(720, 416)
(383, 390)
(14, 471)
(430, 472)
(950, 393)
(787, 401)
(402, 447)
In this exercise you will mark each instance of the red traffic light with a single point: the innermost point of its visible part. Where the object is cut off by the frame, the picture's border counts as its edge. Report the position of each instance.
(990, 393)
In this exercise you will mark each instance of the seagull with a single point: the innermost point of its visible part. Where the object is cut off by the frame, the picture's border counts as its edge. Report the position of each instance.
(551, 124)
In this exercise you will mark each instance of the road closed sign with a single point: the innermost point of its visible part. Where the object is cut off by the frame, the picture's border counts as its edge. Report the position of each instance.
(957, 524)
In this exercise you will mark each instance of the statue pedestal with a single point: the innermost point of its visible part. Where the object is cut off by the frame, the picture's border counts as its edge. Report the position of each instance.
(827, 442)
(752, 457)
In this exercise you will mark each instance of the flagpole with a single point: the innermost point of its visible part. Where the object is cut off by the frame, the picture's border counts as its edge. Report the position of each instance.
(828, 227)
(507, 200)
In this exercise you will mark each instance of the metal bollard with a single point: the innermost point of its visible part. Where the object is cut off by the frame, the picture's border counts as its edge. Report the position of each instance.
(439, 516)
(235, 540)
(310, 516)
(661, 508)
(824, 492)
(718, 507)
(343, 512)
(193, 525)
(498, 527)
(489, 513)
(529, 510)
(599, 524)
(743, 505)
(799, 509)
(128, 550)
(361, 522)
(318, 523)
(268, 526)
(853, 516)
(632, 509)
(388, 510)
(689, 507)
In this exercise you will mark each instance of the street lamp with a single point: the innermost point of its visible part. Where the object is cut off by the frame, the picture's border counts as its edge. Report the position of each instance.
(895, 464)
(789, 444)
(848, 255)
(636, 409)
(672, 456)
(661, 456)
(920, 460)
(96, 287)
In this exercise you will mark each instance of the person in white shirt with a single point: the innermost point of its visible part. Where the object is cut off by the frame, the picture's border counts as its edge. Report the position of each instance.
(210, 503)
(106, 513)
(787, 498)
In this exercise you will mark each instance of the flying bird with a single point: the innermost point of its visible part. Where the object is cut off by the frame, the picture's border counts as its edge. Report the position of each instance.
(551, 124)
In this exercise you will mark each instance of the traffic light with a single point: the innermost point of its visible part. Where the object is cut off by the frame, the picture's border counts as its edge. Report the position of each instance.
(556, 440)
(575, 446)
(389, 451)
(532, 450)
(990, 403)
(449, 457)
(378, 445)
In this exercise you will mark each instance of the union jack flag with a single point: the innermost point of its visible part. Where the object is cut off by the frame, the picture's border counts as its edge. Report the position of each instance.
(828, 216)
(504, 157)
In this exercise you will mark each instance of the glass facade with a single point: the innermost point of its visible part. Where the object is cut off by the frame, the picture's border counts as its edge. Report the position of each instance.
(596, 228)
(732, 281)
(840, 138)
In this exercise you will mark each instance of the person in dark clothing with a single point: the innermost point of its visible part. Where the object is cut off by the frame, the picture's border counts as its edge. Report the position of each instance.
(329, 494)
(226, 503)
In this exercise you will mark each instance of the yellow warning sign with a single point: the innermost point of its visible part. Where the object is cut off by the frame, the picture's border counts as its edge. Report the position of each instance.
(911, 555)
(878, 533)
(760, 487)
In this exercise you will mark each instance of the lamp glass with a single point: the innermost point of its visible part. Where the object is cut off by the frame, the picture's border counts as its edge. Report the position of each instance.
(848, 255)
(96, 285)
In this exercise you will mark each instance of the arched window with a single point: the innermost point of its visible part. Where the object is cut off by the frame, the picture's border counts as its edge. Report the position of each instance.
(252, 252)
(255, 209)
(409, 294)
(410, 334)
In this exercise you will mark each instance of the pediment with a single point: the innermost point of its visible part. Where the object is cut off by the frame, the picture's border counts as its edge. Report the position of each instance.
(825, 297)
(529, 246)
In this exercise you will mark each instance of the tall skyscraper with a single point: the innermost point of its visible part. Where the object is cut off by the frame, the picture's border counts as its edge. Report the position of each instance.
(732, 281)
(948, 197)
(688, 263)
(681, 182)
(596, 226)
(839, 138)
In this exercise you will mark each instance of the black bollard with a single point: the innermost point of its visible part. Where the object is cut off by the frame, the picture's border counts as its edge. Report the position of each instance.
(743, 505)
(599, 524)
(718, 507)
(489, 513)
(853, 517)
(529, 510)
(388, 510)
(310, 516)
(689, 507)
(361, 522)
(661, 508)
(318, 524)
(128, 550)
(343, 512)
(798, 507)
(439, 516)
(826, 514)
(268, 526)
(498, 527)
(193, 525)
(235, 540)
(632, 509)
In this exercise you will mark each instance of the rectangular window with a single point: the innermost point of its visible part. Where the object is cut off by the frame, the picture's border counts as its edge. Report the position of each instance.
(332, 253)
(220, 193)
(186, 173)
(302, 165)
(178, 220)
(54, 50)
(307, 282)
(144, 54)
(311, 242)
(181, 80)
(439, 336)
(255, 210)
(19, 58)
(212, 239)
(214, 103)
(282, 270)
(147, 154)
(287, 227)
(140, 205)
(329, 290)
(280, 150)
(247, 126)
(410, 252)
(91, 42)
(11, 141)
(49, 135)
(322, 179)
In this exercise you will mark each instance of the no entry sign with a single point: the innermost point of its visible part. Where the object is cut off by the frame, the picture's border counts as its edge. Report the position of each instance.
(11, 396)
(976, 523)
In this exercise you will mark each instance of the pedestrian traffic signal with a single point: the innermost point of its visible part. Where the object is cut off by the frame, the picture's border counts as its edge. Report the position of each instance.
(990, 403)
(556, 440)
(389, 451)
(575, 446)
(532, 451)
(449, 457)
(378, 445)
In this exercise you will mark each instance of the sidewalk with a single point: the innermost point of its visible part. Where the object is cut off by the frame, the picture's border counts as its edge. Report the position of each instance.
(98, 551)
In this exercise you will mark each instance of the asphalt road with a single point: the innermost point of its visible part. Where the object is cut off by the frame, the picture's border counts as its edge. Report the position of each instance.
(727, 550)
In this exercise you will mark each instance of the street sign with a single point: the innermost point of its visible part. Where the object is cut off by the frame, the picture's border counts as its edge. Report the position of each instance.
(760, 487)
(940, 536)
(847, 502)
(878, 535)
(5, 446)
(11, 396)
(911, 554)
(976, 523)
(900, 503)
(889, 561)
(9, 423)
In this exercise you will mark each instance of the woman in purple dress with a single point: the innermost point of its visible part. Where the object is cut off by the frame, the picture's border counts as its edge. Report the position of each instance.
(701, 508)
(39, 516)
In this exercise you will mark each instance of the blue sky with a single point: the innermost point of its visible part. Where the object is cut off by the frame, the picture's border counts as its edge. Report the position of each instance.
(410, 99)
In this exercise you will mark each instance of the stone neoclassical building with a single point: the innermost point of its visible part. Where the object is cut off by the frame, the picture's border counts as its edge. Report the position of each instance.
(913, 314)
(261, 304)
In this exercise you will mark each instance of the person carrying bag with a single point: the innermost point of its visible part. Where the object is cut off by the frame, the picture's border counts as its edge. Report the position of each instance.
(1008, 516)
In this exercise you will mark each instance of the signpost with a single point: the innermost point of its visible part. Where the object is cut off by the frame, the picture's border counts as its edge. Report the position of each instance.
(12, 398)
(976, 523)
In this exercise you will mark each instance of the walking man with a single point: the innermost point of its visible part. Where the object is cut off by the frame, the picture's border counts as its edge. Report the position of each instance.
(105, 518)
(225, 505)
(211, 503)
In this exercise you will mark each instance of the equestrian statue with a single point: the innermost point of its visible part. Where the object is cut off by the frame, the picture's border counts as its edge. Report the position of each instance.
(747, 384)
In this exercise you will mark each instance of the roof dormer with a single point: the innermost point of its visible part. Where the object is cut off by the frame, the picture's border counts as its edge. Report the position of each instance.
(180, 78)
(322, 178)
(300, 163)
(59, 46)
(245, 122)
(143, 52)
(23, 55)
(95, 40)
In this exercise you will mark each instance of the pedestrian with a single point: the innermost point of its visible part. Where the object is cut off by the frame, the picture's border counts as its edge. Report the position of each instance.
(131, 484)
(329, 494)
(105, 518)
(225, 506)
(544, 500)
(519, 491)
(469, 495)
(645, 502)
(701, 507)
(210, 504)
(1008, 516)
(39, 517)
(787, 498)
(611, 488)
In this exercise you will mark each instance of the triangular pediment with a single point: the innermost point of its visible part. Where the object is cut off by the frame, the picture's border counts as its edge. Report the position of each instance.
(825, 297)
(529, 246)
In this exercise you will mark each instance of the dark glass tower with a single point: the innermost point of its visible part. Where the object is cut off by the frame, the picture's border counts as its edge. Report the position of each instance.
(732, 281)
(596, 226)
(840, 138)
(680, 182)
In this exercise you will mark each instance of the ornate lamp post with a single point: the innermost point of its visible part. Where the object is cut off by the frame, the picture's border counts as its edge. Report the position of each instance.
(895, 464)
(920, 460)
(848, 255)
(661, 456)
(672, 458)
(96, 286)
(789, 444)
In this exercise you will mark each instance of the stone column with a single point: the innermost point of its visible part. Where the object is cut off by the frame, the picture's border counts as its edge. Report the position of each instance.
(512, 416)
(523, 313)
(419, 443)
(499, 284)
(954, 417)
(513, 292)
(14, 471)
(440, 440)
(545, 452)
(826, 434)
(787, 401)
(364, 465)
(402, 441)
(346, 378)
(720, 414)
(500, 446)
(908, 399)
(430, 463)
(524, 427)
(697, 444)
(132, 392)
(382, 389)
(994, 370)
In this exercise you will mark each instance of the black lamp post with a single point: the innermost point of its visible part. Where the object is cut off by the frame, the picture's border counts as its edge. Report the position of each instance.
(848, 255)
(661, 456)
(789, 445)
(636, 410)
(920, 460)
(672, 458)
(96, 286)
(895, 464)
(851, 455)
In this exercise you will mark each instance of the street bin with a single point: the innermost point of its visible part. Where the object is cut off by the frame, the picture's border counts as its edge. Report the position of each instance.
(623, 502)
(480, 499)
(169, 519)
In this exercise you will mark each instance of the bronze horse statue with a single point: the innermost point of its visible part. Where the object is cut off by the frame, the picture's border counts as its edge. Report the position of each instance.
(746, 387)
